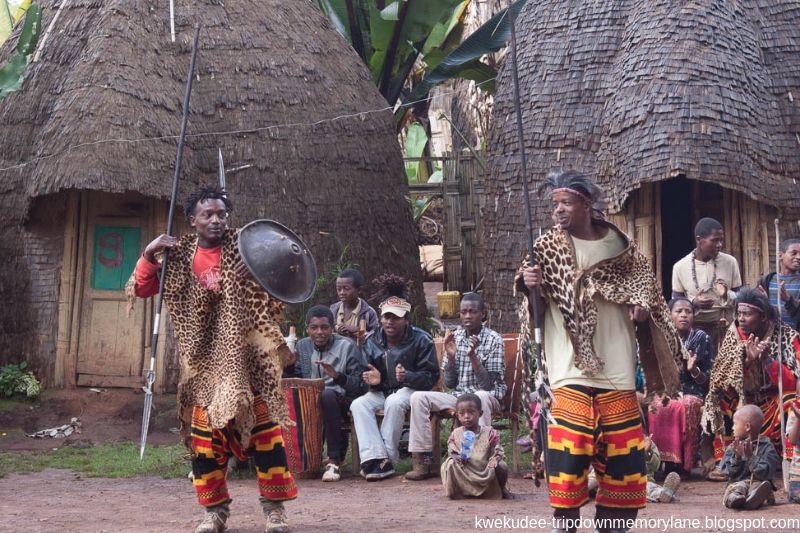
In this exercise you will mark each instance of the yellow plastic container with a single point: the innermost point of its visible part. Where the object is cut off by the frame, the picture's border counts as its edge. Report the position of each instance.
(449, 303)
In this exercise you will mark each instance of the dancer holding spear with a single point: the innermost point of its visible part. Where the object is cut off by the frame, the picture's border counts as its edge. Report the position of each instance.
(231, 348)
(593, 286)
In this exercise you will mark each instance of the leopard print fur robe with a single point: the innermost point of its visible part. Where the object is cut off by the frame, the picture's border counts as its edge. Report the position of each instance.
(228, 341)
(625, 279)
(727, 373)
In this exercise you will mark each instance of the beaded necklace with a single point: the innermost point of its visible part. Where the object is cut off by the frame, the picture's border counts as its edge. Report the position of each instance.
(694, 273)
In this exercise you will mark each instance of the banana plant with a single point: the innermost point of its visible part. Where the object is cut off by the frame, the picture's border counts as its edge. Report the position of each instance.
(465, 60)
(13, 72)
(391, 36)
(10, 12)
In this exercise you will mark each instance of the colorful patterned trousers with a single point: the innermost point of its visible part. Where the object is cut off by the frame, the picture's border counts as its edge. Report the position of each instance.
(600, 428)
(213, 447)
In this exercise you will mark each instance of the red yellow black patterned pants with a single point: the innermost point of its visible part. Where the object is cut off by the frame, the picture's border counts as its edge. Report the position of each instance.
(213, 447)
(601, 428)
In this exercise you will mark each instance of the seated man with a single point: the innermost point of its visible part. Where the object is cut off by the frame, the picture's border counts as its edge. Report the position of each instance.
(474, 364)
(400, 359)
(338, 360)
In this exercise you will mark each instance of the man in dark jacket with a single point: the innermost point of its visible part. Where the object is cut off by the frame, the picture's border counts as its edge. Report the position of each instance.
(339, 362)
(400, 359)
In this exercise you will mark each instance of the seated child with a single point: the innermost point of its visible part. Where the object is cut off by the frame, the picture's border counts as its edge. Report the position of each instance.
(750, 462)
(351, 309)
(484, 473)
(793, 435)
(655, 492)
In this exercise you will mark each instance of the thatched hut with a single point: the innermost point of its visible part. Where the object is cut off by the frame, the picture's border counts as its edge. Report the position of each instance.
(679, 110)
(89, 151)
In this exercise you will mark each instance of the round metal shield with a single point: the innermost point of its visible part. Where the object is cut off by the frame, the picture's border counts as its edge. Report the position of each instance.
(278, 260)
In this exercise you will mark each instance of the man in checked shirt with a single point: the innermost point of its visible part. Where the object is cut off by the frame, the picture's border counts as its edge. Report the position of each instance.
(474, 362)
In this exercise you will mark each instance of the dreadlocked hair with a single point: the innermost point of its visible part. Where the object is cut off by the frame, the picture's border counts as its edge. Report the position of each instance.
(390, 285)
(209, 192)
(571, 179)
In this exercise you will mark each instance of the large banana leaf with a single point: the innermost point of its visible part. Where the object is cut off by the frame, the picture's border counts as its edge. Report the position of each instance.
(12, 73)
(416, 141)
(390, 35)
(464, 61)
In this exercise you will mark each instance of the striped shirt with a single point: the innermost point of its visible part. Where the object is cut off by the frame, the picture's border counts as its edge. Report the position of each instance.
(792, 284)
(491, 354)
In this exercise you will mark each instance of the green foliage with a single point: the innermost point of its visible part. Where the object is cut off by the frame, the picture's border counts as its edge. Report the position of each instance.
(10, 12)
(15, 380)
(120, 460)
(391, 36)
(13, 72)
(416, 141)
(464, 61)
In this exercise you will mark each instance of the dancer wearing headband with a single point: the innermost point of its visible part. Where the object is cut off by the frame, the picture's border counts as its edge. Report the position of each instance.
(745, 371)
(599, 295)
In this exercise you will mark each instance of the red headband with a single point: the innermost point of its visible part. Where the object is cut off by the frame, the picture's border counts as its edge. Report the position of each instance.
(573, 191)
(751, 306)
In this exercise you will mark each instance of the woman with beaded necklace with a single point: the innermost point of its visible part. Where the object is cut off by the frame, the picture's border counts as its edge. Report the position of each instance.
(708, 278)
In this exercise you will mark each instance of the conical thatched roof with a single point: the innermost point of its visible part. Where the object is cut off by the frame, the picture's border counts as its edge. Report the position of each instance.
(632, 92)
(108, 70)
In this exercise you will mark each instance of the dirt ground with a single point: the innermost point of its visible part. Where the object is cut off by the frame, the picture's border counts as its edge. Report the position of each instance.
(61, 500)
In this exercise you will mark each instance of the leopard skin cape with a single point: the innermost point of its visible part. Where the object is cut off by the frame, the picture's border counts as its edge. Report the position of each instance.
(228, 341)
(727, 373)
(625, 279)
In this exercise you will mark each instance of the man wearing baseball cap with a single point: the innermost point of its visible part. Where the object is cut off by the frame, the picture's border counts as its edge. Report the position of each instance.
(401, 359)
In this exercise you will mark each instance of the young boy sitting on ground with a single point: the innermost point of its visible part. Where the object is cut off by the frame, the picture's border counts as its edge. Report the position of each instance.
(750, 462)
(483, 474)
(793, 435)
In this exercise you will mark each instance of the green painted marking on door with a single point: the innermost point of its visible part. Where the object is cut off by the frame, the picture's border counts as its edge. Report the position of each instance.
(116, 250)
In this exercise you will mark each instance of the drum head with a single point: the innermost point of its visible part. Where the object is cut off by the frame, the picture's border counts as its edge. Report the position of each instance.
(278, 260)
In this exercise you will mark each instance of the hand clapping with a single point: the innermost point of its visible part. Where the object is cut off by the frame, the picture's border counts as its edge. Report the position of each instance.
(371, 376)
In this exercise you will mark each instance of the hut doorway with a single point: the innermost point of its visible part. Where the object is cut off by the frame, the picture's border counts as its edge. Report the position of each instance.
(676, 228)
(101, 342)
(111, 344)
(662, 215)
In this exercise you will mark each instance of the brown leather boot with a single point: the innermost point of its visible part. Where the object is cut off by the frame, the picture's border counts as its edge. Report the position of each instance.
(421, 466)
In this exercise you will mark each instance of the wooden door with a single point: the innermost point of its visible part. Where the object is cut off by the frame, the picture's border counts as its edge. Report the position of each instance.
(111, 343)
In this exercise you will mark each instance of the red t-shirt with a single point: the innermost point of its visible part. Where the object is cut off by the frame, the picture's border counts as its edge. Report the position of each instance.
(205, 267)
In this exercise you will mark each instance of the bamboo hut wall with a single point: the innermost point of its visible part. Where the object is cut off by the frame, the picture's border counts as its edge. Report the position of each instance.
(463, 191)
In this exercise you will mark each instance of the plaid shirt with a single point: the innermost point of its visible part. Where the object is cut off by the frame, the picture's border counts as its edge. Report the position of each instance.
(490, 353)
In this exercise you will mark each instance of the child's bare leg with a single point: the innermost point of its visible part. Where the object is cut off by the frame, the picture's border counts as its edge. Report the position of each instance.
(501, 473)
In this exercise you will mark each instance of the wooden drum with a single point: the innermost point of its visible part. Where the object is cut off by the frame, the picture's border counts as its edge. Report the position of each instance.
(303, 443)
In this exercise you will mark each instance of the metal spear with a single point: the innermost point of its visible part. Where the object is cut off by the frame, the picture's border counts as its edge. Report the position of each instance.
(151, 374)
(221, 171)
(543, 391)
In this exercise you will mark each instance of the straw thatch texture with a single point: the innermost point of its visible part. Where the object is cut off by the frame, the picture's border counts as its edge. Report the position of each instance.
(632, 92)
(108, 70)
